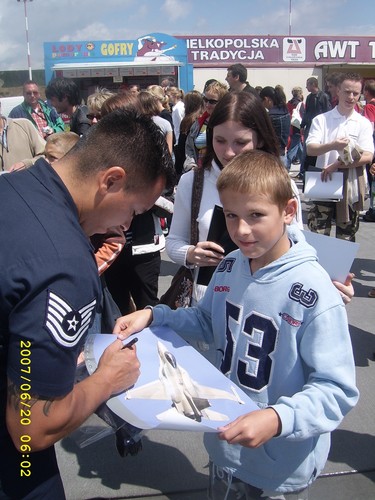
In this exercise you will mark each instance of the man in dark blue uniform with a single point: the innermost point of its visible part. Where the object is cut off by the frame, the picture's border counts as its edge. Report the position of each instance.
(49, 290)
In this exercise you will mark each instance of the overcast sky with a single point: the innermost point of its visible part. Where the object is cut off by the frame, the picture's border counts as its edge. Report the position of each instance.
(84, 20)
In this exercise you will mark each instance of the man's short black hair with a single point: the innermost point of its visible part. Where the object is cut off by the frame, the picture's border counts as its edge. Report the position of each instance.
(64, 87)
(313, 81)
(127, 139)
(238, 70)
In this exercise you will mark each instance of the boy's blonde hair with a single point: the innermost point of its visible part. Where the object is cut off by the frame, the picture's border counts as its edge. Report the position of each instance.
(63, 140)
(95, 101)
(257, 172)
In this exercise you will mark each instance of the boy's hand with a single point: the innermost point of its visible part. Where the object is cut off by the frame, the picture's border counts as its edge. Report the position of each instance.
(132, 323)
(252, 429)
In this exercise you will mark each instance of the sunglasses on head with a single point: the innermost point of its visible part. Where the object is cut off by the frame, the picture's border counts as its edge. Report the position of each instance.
(210, 101)
(91, 116)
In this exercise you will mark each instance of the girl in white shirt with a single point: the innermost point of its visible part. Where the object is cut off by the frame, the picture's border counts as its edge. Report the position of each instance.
(238, 123)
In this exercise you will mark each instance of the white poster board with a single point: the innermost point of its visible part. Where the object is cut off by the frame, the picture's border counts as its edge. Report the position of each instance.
(178, 389)
(335, 256)
(318, 190)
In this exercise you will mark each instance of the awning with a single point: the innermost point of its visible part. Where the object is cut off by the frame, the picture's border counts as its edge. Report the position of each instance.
(116, 69)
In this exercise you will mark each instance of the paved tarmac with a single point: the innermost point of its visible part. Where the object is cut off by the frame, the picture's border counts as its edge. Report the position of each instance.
(173, 465)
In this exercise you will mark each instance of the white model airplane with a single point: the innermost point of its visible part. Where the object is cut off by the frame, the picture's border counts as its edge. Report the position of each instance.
(188, 397)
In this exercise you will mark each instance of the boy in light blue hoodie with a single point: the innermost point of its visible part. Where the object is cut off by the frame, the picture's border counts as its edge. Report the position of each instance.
(280, 331)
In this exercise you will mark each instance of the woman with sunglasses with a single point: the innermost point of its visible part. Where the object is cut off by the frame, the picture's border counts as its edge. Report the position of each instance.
(195, 147)
(239, 123)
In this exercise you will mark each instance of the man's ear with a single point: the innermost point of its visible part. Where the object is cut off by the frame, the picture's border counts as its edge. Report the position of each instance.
(112, 179)
(290, 210)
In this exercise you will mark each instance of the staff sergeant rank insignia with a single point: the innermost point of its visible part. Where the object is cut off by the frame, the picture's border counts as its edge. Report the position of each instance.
(65, 324)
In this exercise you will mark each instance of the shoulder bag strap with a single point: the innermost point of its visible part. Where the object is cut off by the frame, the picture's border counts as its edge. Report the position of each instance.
(196, 197)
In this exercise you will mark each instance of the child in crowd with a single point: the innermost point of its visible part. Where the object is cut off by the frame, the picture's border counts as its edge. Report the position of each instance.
(280, 331)
(57, 145)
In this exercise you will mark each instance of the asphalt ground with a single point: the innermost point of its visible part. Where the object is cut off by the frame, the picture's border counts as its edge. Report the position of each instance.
(173, 465)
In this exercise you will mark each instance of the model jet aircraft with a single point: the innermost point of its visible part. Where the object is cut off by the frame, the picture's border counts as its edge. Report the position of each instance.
(187, 396)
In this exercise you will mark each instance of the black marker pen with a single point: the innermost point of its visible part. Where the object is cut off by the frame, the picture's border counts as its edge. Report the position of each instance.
(130, 344)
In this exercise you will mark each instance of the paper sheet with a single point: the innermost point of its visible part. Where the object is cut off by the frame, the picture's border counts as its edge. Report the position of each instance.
(335, 256)
(316, 189)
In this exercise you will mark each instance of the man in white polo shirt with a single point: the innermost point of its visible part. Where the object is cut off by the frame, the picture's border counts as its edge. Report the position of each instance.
(331, 133)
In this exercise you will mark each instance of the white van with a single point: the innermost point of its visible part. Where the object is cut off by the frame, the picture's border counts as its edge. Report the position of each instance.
(8, 103)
